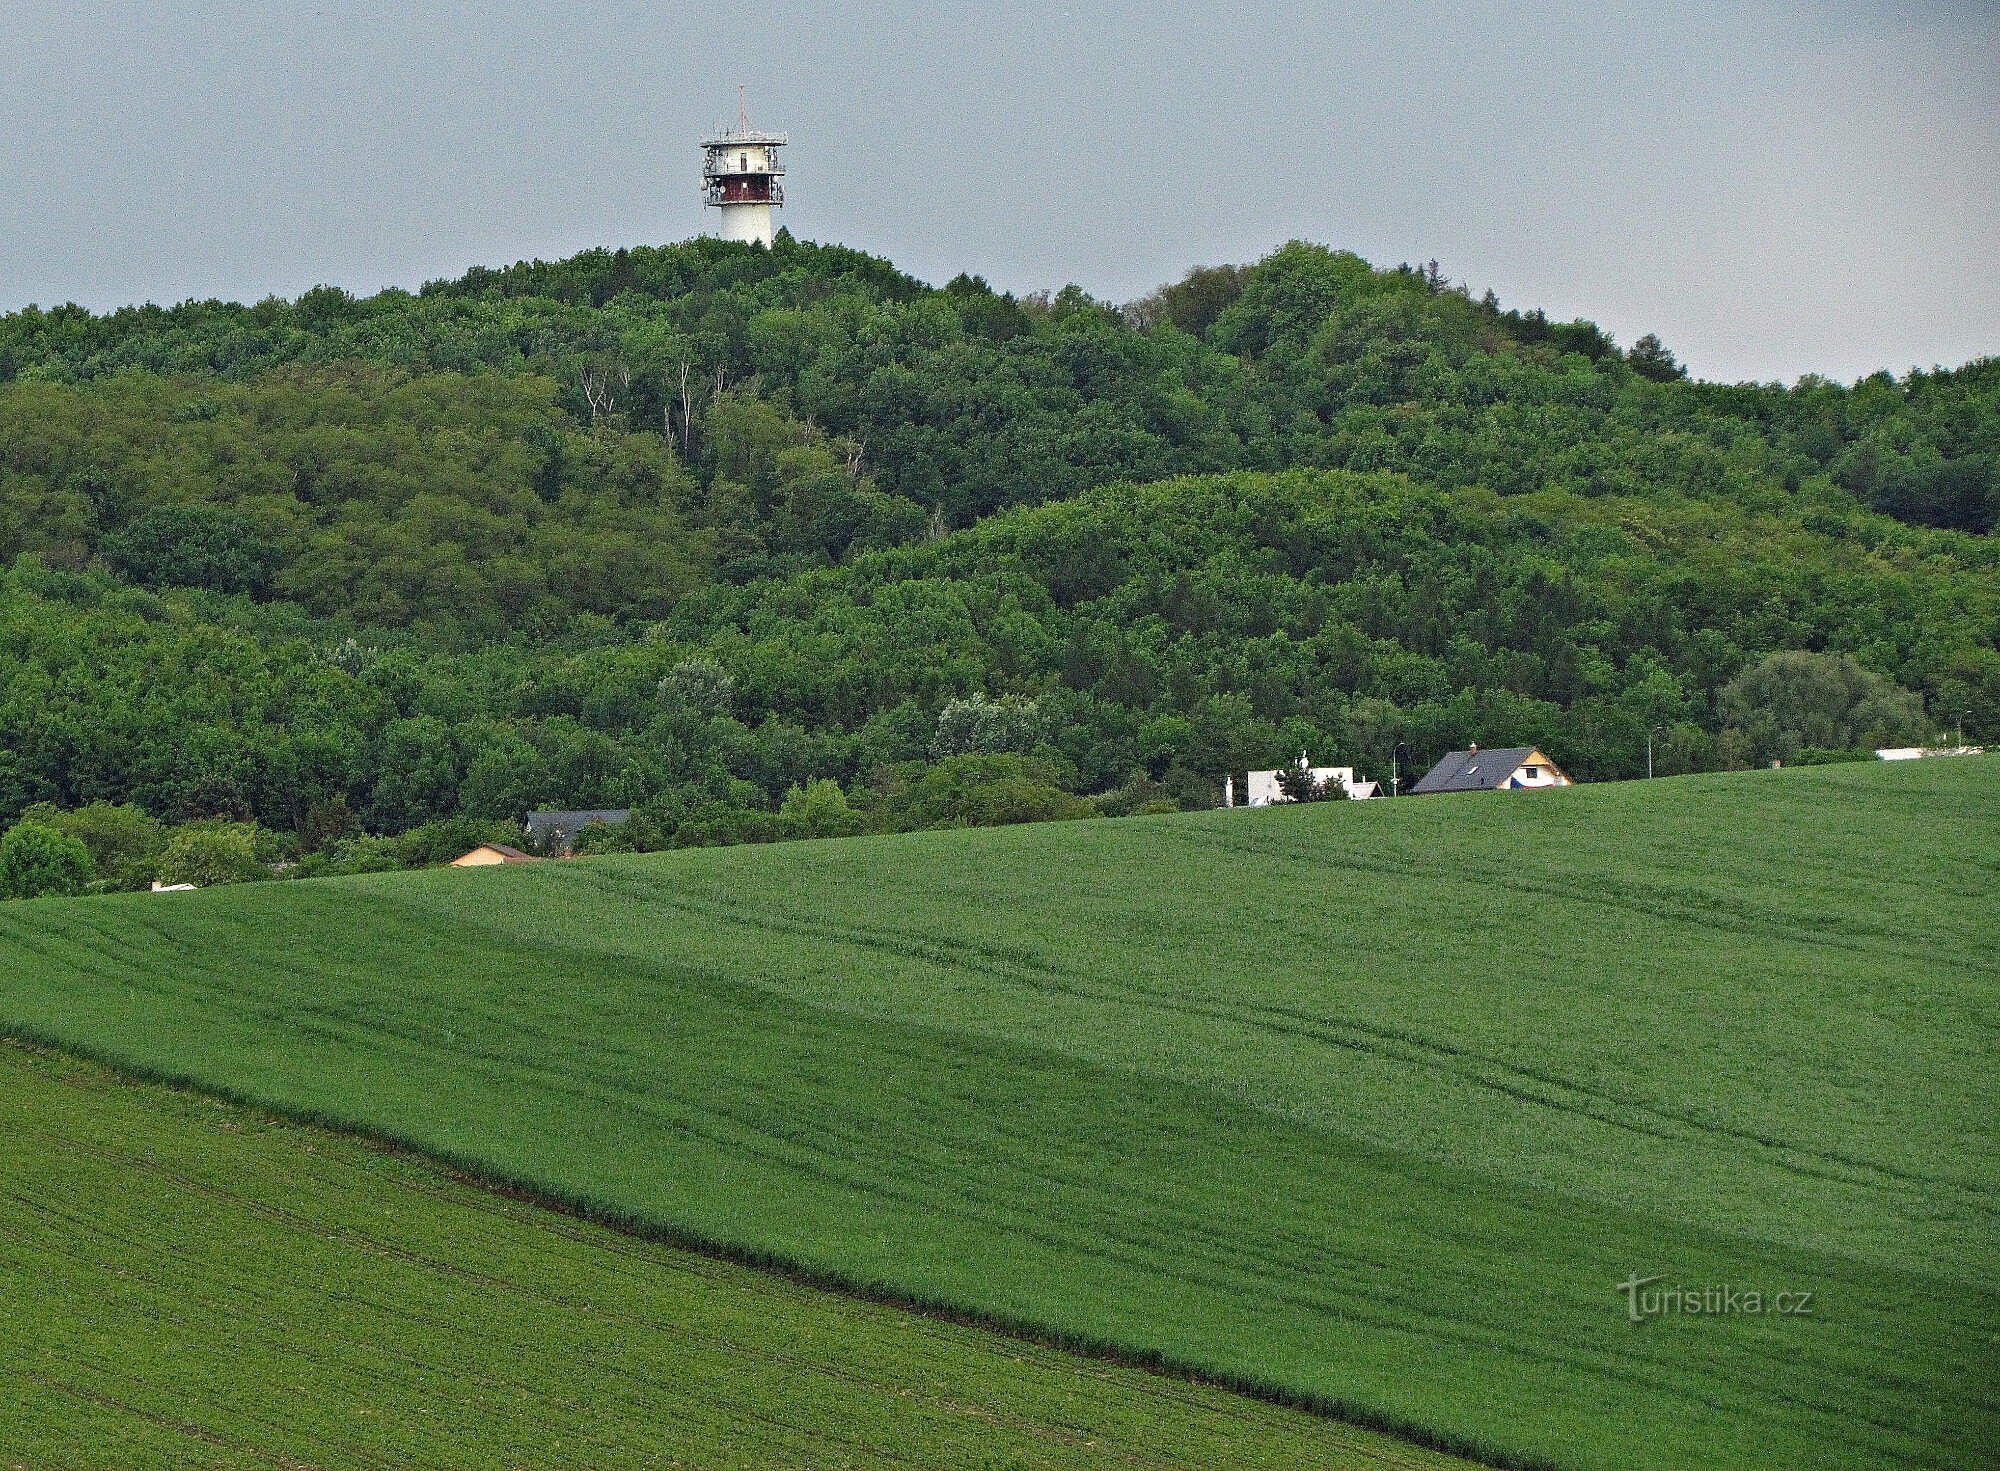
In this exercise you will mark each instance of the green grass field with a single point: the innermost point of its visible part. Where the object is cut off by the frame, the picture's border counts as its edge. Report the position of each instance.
(191, 1284)
(1368, 1105)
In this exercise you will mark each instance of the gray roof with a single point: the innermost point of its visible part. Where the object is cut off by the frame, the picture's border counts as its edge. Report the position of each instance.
(1474, 770)
(504, 851)
(562, 827)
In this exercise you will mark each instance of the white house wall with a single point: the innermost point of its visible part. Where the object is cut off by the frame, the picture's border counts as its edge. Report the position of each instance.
(1545, 776)
(1262, 789)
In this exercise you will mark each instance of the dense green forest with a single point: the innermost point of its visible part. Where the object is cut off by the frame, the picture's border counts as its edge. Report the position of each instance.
(772, 543)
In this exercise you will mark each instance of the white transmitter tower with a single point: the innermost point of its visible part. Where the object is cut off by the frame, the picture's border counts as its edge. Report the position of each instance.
(739, 176)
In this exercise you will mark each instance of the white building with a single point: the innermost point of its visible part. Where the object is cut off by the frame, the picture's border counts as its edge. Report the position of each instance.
(1919, 753)
(739, 176)
(1261, 789)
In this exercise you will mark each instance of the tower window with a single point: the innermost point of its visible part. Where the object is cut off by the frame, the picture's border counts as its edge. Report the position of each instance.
(743, 162)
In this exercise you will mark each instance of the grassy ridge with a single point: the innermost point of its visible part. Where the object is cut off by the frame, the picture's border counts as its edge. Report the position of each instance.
(1371, 1106)
(192, 1284)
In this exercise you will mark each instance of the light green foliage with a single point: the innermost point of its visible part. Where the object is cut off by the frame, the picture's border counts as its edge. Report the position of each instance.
(696, 688)
(123, 841)
(37, 860)
(1373, 1104)
(352, 490)
(978, 791)
(819, 810)
(977, 726)
(193, 1284)
(208, 853)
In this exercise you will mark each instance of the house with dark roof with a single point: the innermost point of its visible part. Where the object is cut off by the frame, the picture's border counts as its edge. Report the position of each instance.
(1503, 769)
(555, 833)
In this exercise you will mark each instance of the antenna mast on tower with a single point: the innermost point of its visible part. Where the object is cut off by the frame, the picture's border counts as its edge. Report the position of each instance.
(739, 176)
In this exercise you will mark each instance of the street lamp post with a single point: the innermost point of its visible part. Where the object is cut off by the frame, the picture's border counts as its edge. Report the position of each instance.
(1396, 768)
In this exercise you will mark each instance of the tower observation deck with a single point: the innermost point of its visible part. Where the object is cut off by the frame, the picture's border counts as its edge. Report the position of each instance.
(739, 176)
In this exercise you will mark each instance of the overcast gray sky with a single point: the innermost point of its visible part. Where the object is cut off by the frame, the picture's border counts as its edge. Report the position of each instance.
(1774, 188)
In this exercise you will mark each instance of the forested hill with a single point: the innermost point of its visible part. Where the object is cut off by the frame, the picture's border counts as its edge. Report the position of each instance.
(750, 540)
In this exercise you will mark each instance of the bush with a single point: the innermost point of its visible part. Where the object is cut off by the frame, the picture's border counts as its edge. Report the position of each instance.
(604, 837)
(206, 854)
(37, 861)
(818, 810)
(449, 837)
(718, 825)
(124, 842)
(982, 791)
(361, 854)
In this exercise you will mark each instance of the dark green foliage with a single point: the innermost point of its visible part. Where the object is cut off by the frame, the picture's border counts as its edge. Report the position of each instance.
(978, 791)
(193, 546)
(1650, 358)
(1203, 626)
(359, 492)
(1962, 493)
(434, 555)
(124, 843)
(1195, 302)
(1168, 634)
(1791, 702)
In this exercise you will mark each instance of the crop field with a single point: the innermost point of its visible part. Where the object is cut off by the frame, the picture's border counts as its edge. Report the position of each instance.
(1368, 1106)
(191, 1284)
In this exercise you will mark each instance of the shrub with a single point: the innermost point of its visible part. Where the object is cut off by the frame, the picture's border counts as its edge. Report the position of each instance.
(818, 810)
(983, 791)
(124, 842)
(36, 860)
(206, 854)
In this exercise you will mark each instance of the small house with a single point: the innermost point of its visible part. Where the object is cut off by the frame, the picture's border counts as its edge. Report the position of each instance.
(1503, 769)
(555, 833)
(486, 855)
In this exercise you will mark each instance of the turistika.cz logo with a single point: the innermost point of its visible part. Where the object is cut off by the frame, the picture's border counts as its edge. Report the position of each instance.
(1644, 1299)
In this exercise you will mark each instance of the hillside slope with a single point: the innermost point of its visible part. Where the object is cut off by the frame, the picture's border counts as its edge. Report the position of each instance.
(426, 558)
(1370, 1105)
(191, 1284)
